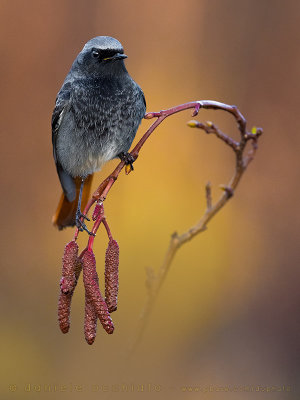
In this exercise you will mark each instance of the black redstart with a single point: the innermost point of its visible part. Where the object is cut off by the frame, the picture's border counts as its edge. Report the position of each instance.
(95, 119)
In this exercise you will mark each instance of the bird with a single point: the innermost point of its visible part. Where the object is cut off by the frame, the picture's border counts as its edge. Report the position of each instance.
(96, 116)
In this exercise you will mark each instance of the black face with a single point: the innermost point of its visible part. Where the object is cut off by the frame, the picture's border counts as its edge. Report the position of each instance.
(95, 61)
(107, 54)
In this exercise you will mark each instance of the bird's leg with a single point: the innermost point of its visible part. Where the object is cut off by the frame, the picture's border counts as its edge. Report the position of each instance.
(79, 216)
(127, 158)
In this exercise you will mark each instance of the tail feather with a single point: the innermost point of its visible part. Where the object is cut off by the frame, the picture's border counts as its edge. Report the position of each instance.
(65, 214)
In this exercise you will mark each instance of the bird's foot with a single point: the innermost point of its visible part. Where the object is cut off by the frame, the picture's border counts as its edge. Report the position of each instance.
(127, 158)
(81, 224)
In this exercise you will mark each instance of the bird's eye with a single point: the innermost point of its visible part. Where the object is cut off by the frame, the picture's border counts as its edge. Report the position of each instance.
(95, 53)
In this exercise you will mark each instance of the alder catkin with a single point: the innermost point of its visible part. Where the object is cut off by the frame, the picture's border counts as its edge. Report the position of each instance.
(71, 269)
(112, 275)
(64, 307)
(68, 280)
(90, 320)
(90, 279)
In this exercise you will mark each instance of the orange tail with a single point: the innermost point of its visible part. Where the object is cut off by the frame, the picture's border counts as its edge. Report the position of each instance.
(65, 214)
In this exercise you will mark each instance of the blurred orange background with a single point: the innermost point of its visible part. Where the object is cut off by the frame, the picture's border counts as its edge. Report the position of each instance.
(228, 312)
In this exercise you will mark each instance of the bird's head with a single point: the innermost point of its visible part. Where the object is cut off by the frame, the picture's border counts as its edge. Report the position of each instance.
(101, 55)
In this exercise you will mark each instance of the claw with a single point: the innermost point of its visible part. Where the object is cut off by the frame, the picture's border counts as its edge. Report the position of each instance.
(80, 215)
(80, 223)
(127, 158)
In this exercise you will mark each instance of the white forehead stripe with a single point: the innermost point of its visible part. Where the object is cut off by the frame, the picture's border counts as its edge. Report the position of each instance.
(103, 43)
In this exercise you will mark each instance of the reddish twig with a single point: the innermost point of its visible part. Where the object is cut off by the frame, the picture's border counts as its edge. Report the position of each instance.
(95, 305)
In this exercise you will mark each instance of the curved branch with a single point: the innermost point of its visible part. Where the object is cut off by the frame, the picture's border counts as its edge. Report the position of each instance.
(102, 191)
(155, 281)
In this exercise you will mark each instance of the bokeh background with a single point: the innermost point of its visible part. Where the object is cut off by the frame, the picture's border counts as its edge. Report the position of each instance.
(228, 312)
